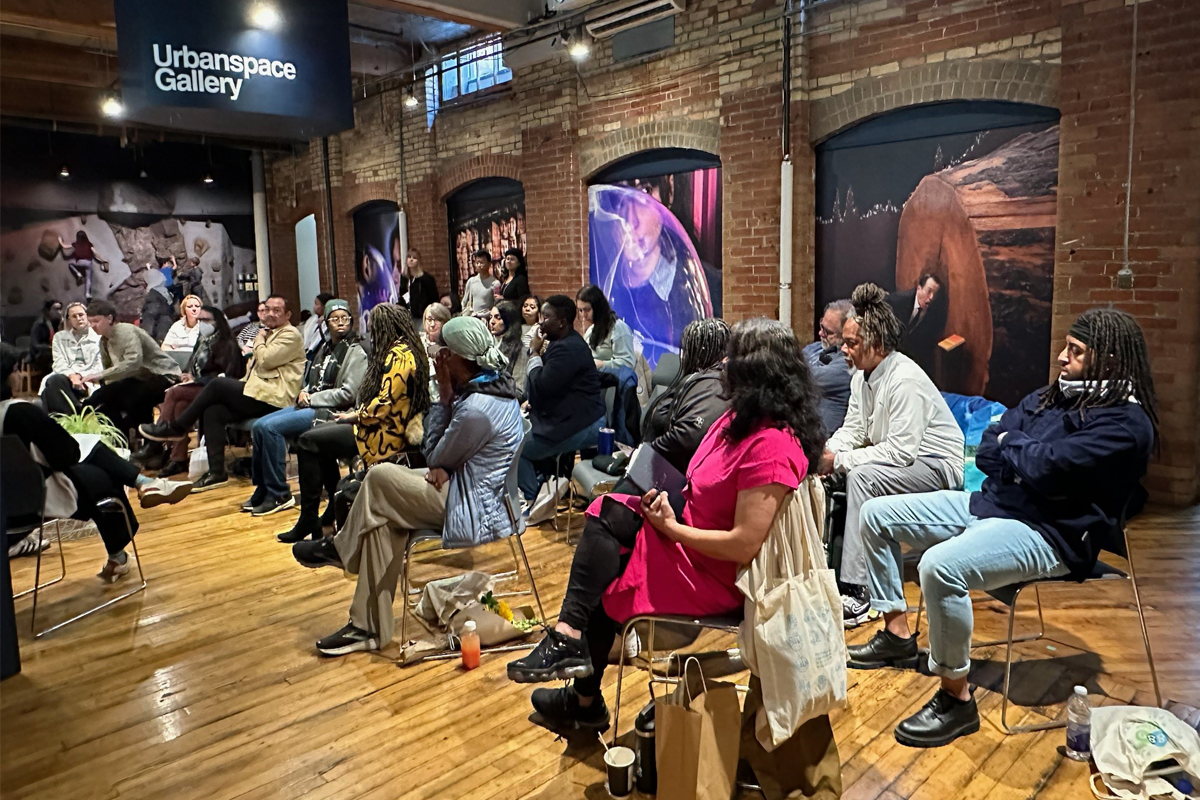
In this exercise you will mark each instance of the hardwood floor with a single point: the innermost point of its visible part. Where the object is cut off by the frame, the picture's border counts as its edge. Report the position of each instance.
(206, 685)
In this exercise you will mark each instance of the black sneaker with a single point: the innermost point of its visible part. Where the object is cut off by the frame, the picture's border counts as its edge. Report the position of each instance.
(321, 553)
(884, 649)
(348, 640)
(273, 504)
(558, 711)
(162, 432)
(556, 657)
(210, 480)
(942, 720)
(173, 468)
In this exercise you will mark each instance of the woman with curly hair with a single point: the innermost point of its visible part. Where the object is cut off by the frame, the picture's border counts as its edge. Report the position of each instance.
(637, 557)
(392, 399)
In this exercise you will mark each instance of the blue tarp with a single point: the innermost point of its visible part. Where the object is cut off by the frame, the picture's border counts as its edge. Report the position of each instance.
(973, 415)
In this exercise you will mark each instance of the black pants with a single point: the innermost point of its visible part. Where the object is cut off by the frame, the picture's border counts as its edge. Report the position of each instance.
(317, 454)
(598, 562)
(218, 404)
(130, 402)
(60, 397)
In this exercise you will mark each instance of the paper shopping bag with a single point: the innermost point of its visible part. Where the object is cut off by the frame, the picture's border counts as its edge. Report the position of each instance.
(696, 738)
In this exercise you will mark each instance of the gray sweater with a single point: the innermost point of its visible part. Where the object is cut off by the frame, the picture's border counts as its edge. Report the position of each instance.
(129, 352)
(350, 376)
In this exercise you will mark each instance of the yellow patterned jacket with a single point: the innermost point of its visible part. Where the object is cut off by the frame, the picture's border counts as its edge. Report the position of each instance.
(383, 426)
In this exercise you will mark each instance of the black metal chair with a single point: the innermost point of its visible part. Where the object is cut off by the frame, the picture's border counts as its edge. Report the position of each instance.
(1009, 595)
(24, 497)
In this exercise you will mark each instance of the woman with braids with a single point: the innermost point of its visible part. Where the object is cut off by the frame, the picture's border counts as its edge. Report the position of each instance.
(392, 399)
(637, 557)
(1064, 472)
(898, 435)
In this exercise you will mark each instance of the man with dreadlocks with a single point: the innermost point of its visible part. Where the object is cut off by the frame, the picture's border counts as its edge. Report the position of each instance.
(1063, 474)
(898, 436)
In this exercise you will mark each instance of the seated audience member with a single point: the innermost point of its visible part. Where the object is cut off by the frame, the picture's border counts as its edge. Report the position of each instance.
(609, 338)
(516, 282)
(41, 336)
(78, 477)
(899, 436)
(830, 370)
(159, 311)
(566, 405)
(436, 316)
(504, 321)
(185, 331)
(76, 352)
(531, 315)
(245, 337)
(1063, 474)
(272, 382)
(314, 329)
(136, 372)
(330, 384)
(636, 557)
(422, 287)
(392, 399)
(471, 438)
(216, 355)
(478, 295)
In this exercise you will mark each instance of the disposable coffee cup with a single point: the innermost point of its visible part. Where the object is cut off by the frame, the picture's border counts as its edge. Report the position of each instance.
(618, 761)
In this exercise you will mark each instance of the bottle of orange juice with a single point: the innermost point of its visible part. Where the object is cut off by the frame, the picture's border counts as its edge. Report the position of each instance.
(469, 645)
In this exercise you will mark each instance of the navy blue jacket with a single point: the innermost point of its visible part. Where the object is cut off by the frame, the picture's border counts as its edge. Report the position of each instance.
(1075, 478)
(564, 392)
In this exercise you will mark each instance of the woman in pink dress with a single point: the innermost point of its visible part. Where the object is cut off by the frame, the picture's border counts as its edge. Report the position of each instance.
(637, 557)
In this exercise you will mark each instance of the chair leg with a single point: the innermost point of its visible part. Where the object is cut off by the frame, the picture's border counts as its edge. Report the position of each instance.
(408, 546)
(537, 598)
(62, 571)
(1137, 598)
(109, 503)
(620, 676)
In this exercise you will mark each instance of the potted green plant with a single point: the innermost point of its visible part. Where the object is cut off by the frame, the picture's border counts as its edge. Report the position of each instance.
(88, 421)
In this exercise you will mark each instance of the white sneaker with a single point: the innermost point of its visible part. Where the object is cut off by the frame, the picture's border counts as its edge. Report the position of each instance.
(29, 545)
(162, 490)
(114, 568)
(633, 646)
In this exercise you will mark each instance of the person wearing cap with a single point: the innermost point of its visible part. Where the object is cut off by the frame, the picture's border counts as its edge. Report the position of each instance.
(331, 382)
(472, 436)
(273, 379)
(1064, 472)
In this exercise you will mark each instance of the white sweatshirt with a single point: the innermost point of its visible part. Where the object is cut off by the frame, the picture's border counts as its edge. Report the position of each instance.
(895, 417)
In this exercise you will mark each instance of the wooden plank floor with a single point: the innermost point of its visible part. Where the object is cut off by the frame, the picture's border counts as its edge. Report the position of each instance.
(207, 686)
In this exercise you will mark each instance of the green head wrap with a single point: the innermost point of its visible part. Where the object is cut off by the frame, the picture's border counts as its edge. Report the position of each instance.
(470, 338)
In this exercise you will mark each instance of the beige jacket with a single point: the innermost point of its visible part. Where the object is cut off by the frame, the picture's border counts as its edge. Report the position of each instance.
(276, 368)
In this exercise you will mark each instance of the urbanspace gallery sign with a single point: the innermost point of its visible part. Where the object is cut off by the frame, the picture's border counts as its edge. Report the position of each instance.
(277, 69)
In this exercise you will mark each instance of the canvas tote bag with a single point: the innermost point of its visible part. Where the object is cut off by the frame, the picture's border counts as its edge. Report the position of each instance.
(792, 637)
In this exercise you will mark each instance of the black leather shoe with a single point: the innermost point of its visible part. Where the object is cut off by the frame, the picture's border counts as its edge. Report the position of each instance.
(884, 649)
(942, 720)
(557, 657)
(162, 432)
(321, 553)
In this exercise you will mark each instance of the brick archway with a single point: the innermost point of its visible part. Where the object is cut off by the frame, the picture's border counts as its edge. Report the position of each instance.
(701, 135)
(1013, 80)
(456, 176)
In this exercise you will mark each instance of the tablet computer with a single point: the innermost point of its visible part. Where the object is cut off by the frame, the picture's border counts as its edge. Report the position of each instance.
(649, 470)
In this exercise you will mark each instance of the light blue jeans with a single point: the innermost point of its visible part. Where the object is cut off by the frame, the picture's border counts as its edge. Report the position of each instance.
(268, 465)
(960, 553)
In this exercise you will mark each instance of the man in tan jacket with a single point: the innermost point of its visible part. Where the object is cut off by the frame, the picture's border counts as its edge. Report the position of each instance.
(272, 382)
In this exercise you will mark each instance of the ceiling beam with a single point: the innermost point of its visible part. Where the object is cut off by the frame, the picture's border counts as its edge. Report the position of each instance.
(488, 15)
(47, 62)
(81, 19)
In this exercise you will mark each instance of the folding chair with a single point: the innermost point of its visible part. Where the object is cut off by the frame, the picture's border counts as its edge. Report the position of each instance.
(24, 495)
(1009, 595)
(512, 495)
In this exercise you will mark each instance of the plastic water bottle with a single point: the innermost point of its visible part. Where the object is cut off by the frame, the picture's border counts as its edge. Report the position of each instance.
(469, 643)
(1079, 726)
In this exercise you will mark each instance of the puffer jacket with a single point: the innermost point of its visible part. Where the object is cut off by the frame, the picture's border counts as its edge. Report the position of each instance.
(676, 422)
(476, 440)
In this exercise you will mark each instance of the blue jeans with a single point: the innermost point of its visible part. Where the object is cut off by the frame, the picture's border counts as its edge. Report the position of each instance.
(268, 467)
(961, 553)
(538, 448)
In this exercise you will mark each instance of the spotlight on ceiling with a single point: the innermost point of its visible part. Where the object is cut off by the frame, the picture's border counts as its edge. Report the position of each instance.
(64, 172)
(578, 47)
(112, 107)
(265, 16)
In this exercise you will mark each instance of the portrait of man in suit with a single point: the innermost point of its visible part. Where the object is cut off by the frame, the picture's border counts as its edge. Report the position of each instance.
(922, 311)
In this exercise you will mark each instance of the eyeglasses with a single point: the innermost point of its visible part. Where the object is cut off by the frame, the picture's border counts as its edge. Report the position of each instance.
(343, 319)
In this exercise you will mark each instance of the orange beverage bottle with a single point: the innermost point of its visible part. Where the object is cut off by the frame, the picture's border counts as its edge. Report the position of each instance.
(470, 645)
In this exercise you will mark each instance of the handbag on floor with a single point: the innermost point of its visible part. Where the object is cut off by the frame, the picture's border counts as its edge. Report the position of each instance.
(792, 638)
(697, 731)
(198, 462)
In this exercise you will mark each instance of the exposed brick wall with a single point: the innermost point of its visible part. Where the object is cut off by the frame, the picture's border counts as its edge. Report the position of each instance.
(718, 89)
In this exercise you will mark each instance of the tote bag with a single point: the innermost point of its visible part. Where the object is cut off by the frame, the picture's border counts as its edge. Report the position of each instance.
(792, 637)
